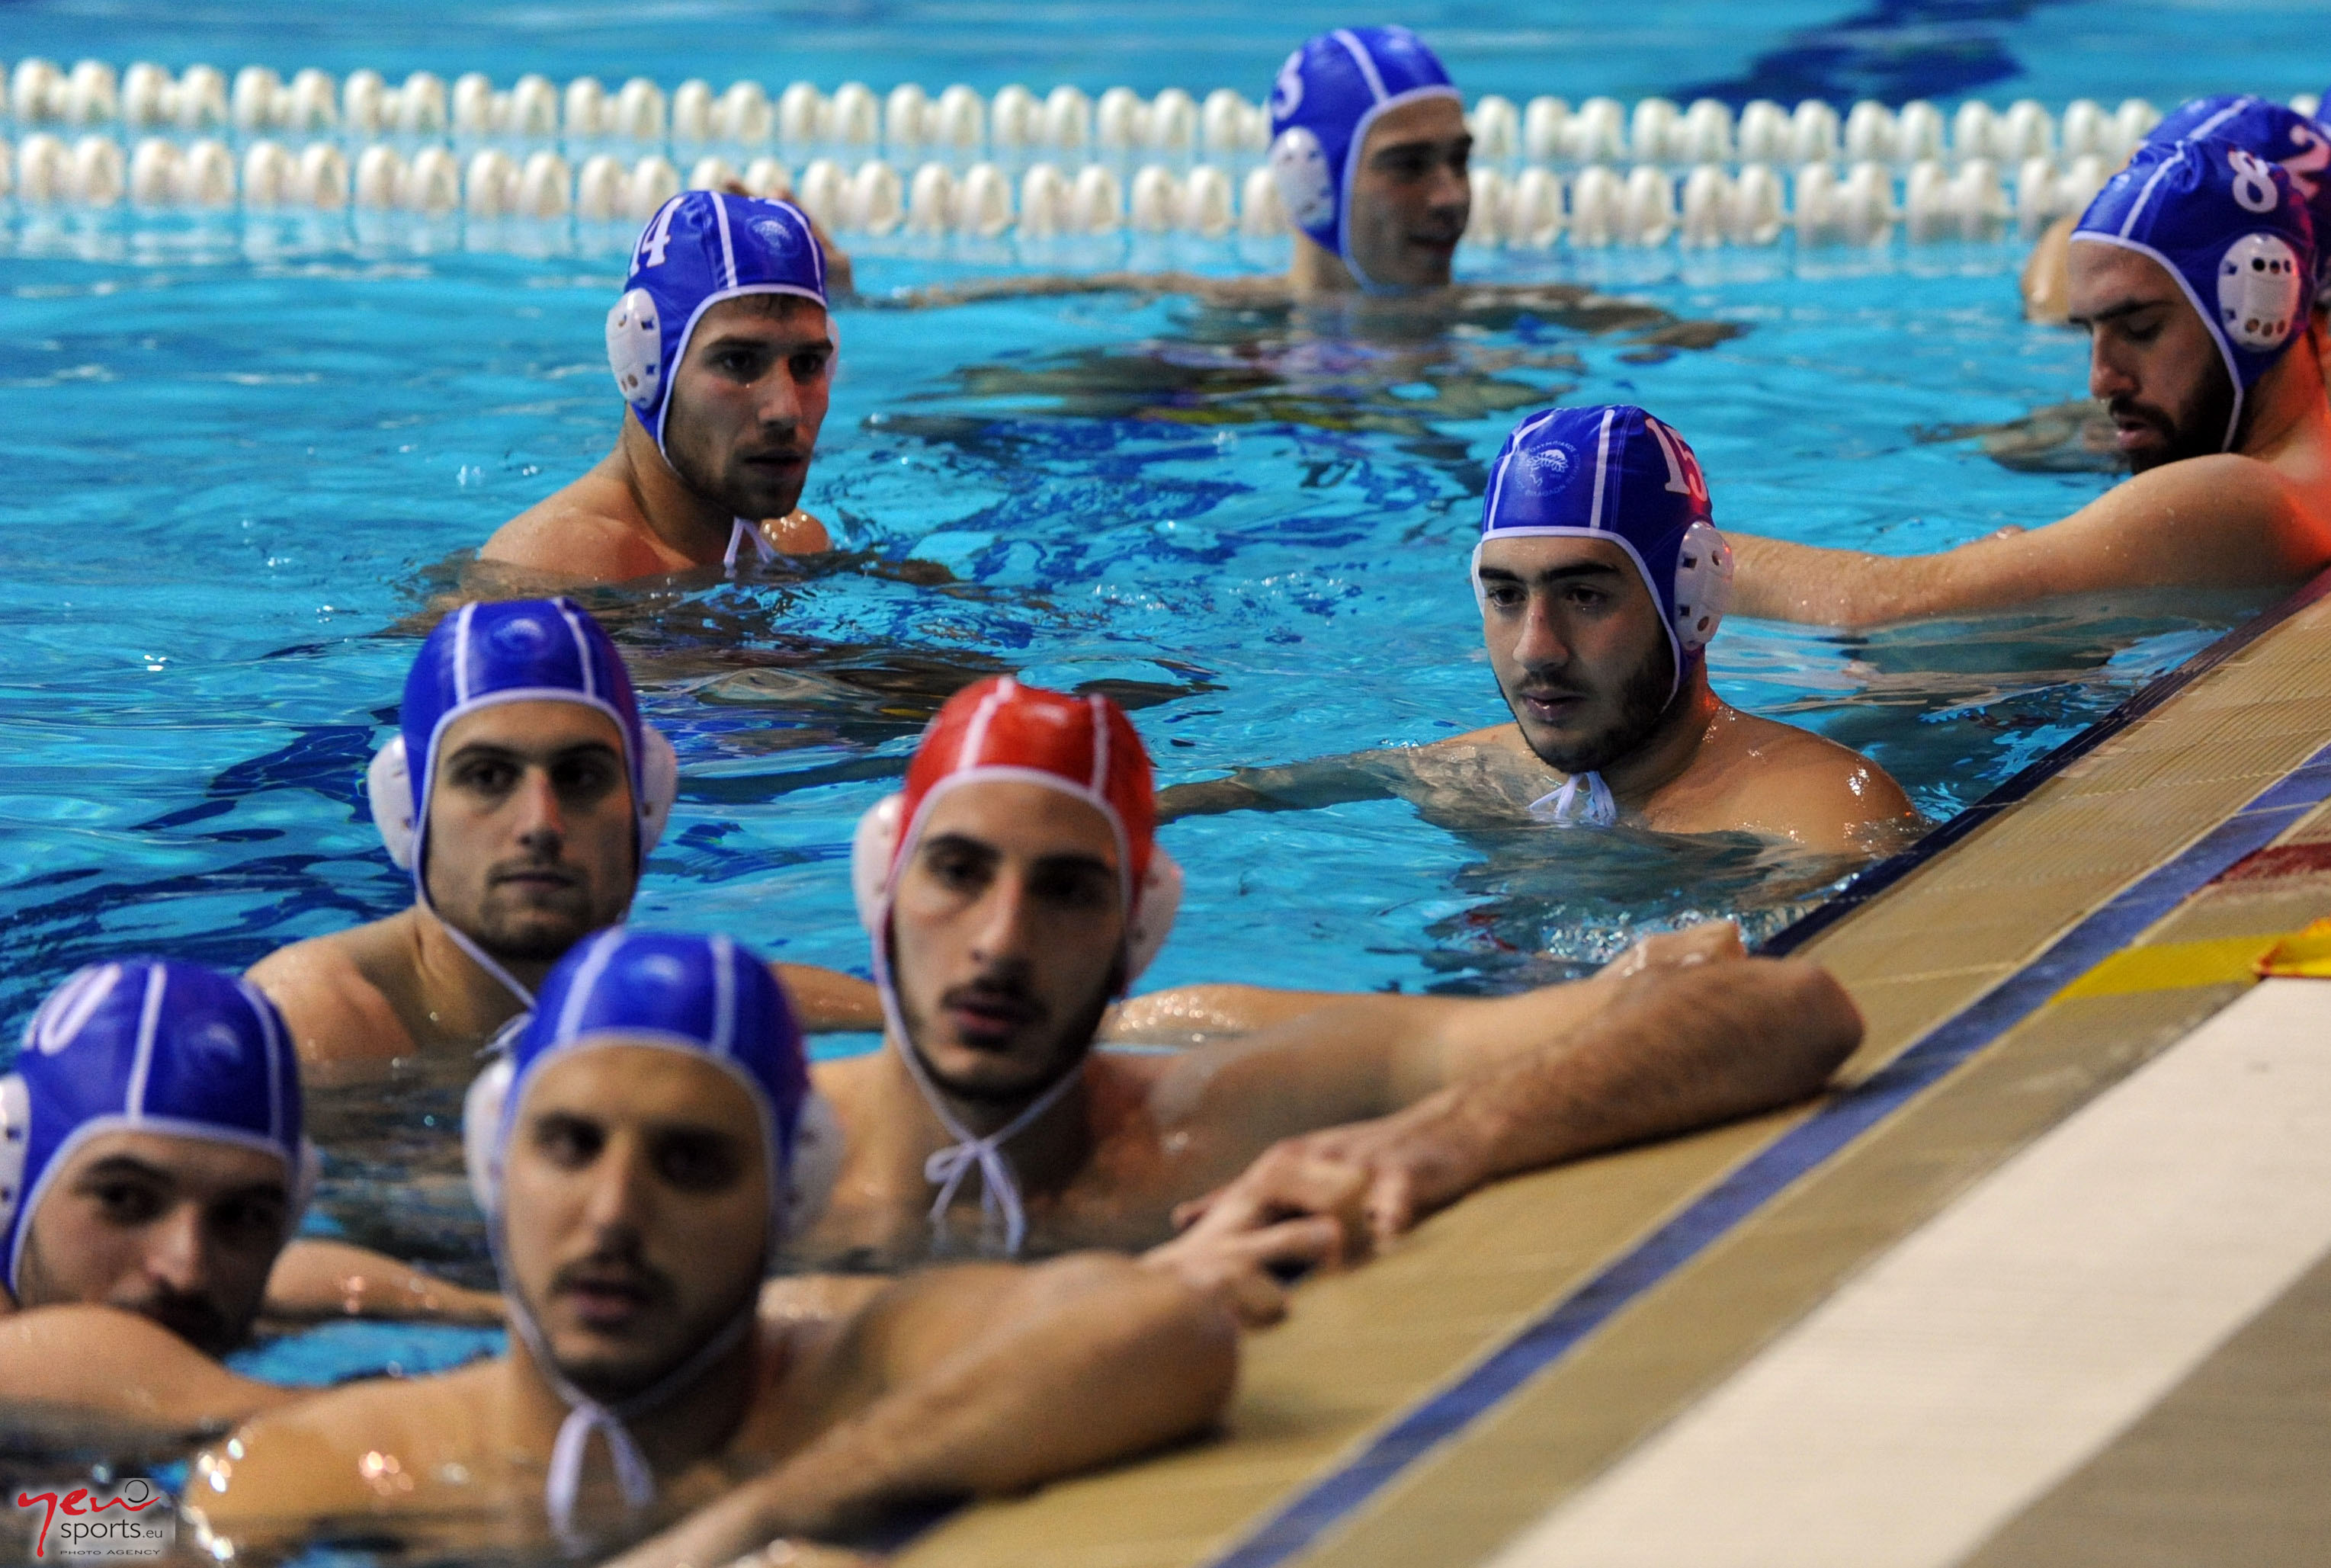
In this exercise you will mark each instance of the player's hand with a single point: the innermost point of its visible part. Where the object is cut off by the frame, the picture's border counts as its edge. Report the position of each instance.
(1402, 1167)
(1286, 1215)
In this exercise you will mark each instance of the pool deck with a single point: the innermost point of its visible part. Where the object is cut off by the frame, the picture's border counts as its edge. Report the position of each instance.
(2049, 1282)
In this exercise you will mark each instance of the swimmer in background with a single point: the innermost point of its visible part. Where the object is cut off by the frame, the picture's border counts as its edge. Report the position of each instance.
(1015, 887)
(2270, 130)
(537, 794)
(152, 1176)
(1601, 579)
(722, 345)
(1370, 154)
(640, 1154)
(2193, 273)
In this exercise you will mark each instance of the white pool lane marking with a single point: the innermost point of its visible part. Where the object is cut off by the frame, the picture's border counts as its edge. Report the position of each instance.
(1982, 1359)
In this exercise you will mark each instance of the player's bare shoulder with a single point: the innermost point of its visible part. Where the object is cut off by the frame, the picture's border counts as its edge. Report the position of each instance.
(1790, 783)
(340, 1453)
(590, 530)
(337, 992)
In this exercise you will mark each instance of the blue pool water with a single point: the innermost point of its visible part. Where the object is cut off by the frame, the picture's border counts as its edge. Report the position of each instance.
(238, 477)
(241, 458)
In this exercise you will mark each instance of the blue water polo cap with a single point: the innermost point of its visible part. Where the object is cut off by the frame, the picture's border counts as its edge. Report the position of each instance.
(1614, 472)
(2231, 228)
(1328, 95)
(2275, 132)
(704, 994)
(700, 248)
(514, 650)
(148, 1046)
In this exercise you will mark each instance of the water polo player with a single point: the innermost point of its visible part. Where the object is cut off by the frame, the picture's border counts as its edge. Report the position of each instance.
(640, 1155)
(2270, 130)
(522, 792)
(1015, 886)
(1369, 152)
(722, 347)
(152, 1174)
(2193, 271)
(1601, 578)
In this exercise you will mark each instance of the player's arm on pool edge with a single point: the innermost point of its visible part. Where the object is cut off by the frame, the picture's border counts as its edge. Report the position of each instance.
(1258, 290)
(2223, 521)
(1488, 1091)
(1186, 1015)
(979, 1380)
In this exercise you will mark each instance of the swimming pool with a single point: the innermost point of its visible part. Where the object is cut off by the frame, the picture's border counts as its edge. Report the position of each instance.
(239, 470)
(1175, 502)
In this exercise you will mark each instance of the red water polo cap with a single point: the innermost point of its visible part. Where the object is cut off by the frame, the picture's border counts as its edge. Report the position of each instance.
(1003, 730)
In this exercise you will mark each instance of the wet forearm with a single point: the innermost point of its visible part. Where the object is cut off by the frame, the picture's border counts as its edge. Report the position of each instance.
(1670, 1052)
(98, 1369)
(980, 290)
(1777, 580)
(827, 1001)
(1187, 1014)
(1295, 787)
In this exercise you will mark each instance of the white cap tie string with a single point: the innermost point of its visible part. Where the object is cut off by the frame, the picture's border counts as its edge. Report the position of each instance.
(1564, 809)
(999, 1192)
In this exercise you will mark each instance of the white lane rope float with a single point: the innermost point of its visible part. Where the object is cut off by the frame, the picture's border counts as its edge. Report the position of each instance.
(1598, 174)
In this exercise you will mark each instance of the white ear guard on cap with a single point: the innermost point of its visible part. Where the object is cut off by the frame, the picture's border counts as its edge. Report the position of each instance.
(15, 1143)
(1306, 186)
(303, 1186)
(818, 1149)
(388, 786)
(635, 347)
(1703, 585)
(2260, 295)
(876, 841)
(871, 845)
(482, 1120)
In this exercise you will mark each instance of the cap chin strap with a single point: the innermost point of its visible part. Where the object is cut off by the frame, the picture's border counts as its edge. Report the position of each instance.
(999, 1184)
(740, 530)
(480, 956)
(570, 1452)
(1564, 809)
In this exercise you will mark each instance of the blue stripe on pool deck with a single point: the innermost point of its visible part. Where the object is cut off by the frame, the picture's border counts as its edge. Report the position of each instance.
(1795, 1153)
